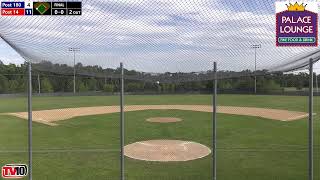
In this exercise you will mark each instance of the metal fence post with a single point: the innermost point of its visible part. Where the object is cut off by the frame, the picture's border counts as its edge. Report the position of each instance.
(122, 123)
(214, 123)
(74, 72)
(30, 119)
(39, 84)
(317, 87)
(255, 70)
(310, 119)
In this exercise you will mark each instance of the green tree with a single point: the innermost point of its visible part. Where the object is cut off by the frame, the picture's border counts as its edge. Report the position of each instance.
(224, 84)
(20, 84)
(46, 86)
(92, 84)
(172, 88)
(244, 84)
(83, 87)
(164, 87)
(268, 85)
(134, 87)
(13, 86)
(108, 88)
(3, 84)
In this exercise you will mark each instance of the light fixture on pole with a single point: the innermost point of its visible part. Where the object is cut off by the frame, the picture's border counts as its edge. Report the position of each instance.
(159, 87)
(255, 47)
(74, 50)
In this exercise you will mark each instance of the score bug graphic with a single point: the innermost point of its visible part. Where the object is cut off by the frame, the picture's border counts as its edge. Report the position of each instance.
(41, 8)
(15, 171)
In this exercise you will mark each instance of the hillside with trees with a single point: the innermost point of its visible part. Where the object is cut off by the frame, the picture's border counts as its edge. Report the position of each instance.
(59, 78)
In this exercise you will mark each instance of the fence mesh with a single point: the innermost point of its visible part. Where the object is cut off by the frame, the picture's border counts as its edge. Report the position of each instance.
(76, 132)
(13, 130)
(263, 128)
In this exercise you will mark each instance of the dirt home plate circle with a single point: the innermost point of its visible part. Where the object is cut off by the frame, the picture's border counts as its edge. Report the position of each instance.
(163, 119)
(166, 150)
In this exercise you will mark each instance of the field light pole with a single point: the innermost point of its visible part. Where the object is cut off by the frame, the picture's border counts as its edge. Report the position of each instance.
(74, 50)
(122, 123)
(255, 47)
(310, 125)
(214, 123)
(30, 119)
(159, 87)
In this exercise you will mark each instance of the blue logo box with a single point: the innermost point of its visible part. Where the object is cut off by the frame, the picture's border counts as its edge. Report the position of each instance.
(12, 5)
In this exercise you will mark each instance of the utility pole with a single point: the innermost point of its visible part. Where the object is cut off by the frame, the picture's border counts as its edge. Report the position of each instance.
(255, 47)
(159, 87)
(74, 50)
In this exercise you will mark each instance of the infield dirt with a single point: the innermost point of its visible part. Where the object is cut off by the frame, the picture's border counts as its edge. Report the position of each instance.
(50, 116)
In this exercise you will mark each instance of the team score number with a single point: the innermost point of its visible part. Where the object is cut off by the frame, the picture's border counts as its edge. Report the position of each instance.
(29, 5)
(28, 12)
(59, 11)
(74, 12)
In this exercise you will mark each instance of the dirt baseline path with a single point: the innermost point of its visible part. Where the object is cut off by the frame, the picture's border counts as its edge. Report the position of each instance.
(50, 116)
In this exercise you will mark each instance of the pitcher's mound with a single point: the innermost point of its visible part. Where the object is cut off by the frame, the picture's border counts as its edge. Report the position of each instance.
(166, 150)
(163, 119)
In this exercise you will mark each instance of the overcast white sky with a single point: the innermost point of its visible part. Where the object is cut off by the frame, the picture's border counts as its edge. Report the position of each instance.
(152, 35)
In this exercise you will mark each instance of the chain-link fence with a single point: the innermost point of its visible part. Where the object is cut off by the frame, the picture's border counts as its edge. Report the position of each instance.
(167, 128)
(13, 130)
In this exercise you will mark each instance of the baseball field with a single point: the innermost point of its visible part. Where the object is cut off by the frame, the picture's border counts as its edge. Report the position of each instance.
(259, 136)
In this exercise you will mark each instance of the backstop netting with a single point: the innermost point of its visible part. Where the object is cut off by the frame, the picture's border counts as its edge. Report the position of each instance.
(13, 131)
(152, 118)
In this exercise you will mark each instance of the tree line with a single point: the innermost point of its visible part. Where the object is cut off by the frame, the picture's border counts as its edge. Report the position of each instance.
(51, 78)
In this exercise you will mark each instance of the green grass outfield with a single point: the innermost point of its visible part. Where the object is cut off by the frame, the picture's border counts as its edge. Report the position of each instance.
(249, 148)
